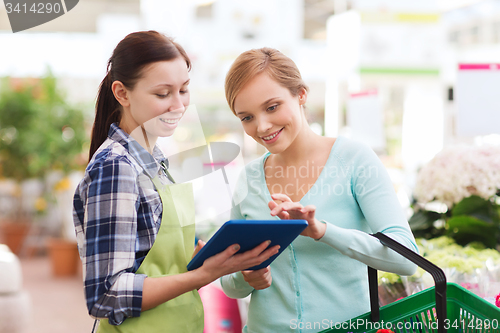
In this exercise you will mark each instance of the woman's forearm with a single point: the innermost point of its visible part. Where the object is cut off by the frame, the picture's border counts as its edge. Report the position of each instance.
(162, 289)
(159, 290)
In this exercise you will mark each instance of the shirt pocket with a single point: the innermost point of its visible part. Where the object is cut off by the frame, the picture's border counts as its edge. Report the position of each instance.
(153, 201)
(157, 210)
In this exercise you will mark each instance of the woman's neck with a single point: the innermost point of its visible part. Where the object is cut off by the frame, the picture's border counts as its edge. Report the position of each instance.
(303, 148)
(139, 134)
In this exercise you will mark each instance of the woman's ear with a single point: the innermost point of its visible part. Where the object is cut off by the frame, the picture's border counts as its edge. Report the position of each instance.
(302, 96)
(121, 93)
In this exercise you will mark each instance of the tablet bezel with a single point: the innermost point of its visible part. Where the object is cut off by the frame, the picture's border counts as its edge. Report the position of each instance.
(248, 234)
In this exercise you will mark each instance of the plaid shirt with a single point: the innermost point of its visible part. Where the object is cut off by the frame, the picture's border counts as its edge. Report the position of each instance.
(117, 213)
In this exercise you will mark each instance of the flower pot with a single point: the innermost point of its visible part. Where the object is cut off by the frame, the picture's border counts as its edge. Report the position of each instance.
(11, 277)
(15, 312)
(64, 257)
(13, 233)
(15, 303)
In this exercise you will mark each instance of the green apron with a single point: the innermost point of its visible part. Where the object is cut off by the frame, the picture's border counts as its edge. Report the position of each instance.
(171, 252)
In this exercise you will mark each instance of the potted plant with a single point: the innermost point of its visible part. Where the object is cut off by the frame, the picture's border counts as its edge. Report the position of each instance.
(63, 249)
(16, 108)
(458, 194)
(41, 134)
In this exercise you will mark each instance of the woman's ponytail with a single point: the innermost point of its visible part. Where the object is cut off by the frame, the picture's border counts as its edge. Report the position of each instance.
(106, 112)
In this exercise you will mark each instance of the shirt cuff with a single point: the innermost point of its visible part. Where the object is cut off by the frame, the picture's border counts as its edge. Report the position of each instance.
(235, 286)
(324, 222)
(137, 299)
(336, 237)
(127, 301)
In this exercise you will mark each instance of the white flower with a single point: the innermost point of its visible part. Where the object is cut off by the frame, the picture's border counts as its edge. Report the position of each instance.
(458, 172)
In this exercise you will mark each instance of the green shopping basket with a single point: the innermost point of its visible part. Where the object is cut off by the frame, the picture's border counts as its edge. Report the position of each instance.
(446, 307)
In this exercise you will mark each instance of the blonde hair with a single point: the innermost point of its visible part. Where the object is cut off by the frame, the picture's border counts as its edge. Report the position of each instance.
(270, 61)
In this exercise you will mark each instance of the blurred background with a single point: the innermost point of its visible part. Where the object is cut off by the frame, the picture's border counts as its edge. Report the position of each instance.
(415, 80)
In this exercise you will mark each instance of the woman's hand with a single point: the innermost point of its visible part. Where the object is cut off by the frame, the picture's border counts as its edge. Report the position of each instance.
(199, 246)
(157, 290)
(288, 209)
(259, 279)
(228, 261)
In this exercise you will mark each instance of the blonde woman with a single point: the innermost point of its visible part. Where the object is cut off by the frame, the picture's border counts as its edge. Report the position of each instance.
(338, 185)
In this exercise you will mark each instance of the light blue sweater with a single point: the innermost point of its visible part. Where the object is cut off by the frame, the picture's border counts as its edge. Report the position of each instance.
(319, 283)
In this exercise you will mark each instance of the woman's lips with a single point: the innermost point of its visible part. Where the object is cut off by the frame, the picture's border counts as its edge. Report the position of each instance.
(271, 138)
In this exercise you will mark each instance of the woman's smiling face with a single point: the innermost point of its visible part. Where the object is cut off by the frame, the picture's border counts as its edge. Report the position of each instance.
(269, 113)
(159, 98)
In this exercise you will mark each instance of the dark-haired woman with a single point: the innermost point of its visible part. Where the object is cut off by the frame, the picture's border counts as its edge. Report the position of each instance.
(134, 225)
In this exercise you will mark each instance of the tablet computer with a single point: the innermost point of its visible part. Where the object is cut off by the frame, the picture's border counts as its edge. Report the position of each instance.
(248, 234)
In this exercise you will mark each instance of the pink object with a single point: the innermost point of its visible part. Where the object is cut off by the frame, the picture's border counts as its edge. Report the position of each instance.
(478, 66)
(497, 300)
(221, 312)
(370, 92)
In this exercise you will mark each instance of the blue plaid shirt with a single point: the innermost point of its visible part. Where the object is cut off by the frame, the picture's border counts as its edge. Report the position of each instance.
(117, 213)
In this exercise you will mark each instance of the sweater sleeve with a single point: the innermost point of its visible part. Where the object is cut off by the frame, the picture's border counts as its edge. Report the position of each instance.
(234, 285)
(372, 188)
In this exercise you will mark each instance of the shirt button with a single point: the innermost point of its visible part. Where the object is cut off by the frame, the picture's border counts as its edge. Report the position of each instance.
(298, 293)
(294, 269)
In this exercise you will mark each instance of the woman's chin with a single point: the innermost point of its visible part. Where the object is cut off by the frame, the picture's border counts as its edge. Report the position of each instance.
(160, 131)
(273, 149)
(164, 134)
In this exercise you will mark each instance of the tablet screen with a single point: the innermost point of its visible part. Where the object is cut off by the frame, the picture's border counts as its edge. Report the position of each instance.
(248, 234)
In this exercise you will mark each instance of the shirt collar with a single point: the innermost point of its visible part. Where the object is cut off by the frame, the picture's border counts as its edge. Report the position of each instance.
(150, 163)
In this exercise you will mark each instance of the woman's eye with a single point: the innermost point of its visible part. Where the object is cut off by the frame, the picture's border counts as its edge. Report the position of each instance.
(272, 108)
(247, 118)
(184, 91)
(162, 96)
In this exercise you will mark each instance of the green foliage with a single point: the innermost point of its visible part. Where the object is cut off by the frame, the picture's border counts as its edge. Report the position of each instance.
(423, 224)
(472, 220)
(39, 130)
(465, 229)
(475, 219)
(388, 278)
(477, 207)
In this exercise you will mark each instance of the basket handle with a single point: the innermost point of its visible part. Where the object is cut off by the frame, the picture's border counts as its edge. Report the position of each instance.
(436, 272)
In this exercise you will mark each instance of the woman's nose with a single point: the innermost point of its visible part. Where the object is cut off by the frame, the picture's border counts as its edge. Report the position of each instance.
(263, 125)
(177, 103)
